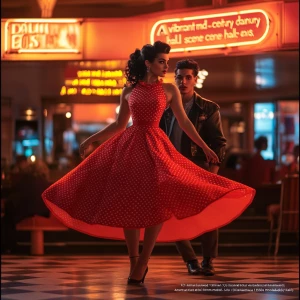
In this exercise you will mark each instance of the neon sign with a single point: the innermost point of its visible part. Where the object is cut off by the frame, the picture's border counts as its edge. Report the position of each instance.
(94, 82)
(42, 36)
(231, 29)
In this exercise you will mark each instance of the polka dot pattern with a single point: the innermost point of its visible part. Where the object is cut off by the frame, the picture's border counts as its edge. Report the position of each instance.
(137, 179)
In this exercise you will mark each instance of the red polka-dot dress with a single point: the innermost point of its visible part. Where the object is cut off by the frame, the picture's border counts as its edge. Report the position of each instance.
(138, 179)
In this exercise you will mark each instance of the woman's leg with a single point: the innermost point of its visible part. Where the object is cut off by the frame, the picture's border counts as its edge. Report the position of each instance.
(150, 237)
(132, 237)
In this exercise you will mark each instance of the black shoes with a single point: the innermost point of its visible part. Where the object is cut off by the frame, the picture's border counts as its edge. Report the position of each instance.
(135, 281)
(207, 268)
(193, 267)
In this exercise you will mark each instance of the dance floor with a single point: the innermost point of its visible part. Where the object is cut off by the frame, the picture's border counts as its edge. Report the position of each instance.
(104, 277)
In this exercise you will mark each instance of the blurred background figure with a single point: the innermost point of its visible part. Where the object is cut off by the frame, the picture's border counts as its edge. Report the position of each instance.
(24, 201)
(20, 165)
(293, 166)
(231, 166)
(18, 169)
(256, 171)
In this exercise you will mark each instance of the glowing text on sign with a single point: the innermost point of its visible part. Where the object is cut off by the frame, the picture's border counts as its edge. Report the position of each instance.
(95, 82)
(212, 31)
(42, 36)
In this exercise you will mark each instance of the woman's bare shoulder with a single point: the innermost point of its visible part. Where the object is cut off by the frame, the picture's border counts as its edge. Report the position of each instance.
(169, 86)
(127, 92)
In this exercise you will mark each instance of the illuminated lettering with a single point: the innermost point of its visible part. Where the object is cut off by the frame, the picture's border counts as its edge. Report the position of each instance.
(247, 21)
(177, 28)
(84, 73)
(201, 26)
(99, 73)
(85, 82)
(95, 82)
(214, 37)
(42, 36)
(163, 29)
(221, 30)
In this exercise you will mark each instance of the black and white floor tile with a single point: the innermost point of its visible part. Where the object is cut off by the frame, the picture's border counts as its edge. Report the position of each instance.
(104, 277)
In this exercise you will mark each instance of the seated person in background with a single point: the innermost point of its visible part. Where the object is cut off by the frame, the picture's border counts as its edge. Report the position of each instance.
(231, 169)
(18, 168)
(20, 165)
(24, 201)
(293, 167)
(257, 171)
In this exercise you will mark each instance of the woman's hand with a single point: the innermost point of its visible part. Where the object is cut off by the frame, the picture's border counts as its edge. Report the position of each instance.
(211, 156)
(83, 146)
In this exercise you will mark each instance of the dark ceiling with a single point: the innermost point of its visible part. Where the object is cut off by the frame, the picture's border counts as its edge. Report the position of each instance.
(81, 8)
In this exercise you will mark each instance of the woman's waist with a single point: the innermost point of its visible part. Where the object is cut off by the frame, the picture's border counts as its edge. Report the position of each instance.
(145, 123)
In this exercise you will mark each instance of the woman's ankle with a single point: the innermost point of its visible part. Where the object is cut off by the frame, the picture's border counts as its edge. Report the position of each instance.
(144, 258)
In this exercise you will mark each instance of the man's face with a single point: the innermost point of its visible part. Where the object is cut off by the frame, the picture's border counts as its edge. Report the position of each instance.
(185, 81)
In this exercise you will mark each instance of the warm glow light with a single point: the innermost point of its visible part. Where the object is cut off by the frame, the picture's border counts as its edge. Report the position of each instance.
(99, 73)
(238, 28)
(49, 51)
(68, 115)
(94, 82)
(201, 77)
(29, 112)
(42, 36)
(98, 113)
(33, 158)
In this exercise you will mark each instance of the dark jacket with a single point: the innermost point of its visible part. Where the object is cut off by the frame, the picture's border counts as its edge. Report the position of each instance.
(206, 118)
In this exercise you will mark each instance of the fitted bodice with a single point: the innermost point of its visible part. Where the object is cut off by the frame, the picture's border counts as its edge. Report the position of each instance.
(147, 103)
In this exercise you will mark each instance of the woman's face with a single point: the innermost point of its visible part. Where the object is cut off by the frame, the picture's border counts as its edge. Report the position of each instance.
(159, 66)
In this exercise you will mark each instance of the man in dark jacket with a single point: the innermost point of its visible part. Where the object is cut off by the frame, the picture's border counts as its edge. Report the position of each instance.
(205, 116)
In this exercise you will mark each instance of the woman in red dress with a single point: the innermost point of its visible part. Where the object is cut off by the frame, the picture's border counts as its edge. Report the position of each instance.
(137, 182)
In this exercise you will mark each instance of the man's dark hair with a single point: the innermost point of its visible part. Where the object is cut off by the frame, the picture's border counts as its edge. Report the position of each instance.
(187, 64)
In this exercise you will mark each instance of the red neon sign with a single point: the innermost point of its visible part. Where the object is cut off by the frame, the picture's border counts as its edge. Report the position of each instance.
(231, 29)
(42, 36)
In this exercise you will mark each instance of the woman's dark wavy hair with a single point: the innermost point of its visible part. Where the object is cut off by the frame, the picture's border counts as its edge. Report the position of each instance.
(136, 68)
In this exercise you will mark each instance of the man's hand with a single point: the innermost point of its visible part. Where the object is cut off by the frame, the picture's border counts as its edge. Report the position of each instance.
(211, 156)
(213, 168)
(82, 148)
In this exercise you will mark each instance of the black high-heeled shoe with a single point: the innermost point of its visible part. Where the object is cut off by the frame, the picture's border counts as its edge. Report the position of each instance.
(135, 281)
(132, 262)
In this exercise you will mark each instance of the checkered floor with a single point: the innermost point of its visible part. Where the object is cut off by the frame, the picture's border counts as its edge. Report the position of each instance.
(104, 277)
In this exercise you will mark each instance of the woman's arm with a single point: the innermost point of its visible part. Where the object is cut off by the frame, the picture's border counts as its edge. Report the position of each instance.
(187, 126)
(113, 128)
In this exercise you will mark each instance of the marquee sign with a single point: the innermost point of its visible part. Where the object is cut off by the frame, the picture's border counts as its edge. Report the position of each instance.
(42, 36)
(230, 29)
(93, 82)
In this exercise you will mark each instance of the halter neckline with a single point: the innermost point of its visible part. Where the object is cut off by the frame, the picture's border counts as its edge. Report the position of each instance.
(159, 81)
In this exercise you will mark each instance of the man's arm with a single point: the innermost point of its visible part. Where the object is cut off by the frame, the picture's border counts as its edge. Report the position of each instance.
(217, 140)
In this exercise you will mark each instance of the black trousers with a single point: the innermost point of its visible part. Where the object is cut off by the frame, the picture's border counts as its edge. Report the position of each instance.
(209, 240)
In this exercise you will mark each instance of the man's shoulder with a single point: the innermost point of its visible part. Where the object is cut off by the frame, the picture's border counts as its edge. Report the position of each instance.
(206, 103)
